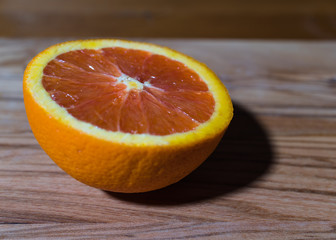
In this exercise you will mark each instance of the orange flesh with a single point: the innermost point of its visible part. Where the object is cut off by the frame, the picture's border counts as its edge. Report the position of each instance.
(128, 90)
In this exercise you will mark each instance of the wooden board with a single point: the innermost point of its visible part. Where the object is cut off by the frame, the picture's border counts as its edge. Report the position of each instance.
(273, 176)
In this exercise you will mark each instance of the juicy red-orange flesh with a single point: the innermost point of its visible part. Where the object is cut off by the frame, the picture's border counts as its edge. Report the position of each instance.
(162, 96)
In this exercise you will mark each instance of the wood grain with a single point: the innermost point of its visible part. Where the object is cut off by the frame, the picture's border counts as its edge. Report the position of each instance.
(273, 176)
(284, 19)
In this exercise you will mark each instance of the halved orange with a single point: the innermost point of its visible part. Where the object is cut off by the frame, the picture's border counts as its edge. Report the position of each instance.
(124, 116)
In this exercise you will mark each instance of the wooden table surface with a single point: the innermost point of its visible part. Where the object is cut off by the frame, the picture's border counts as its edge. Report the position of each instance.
(273, 176)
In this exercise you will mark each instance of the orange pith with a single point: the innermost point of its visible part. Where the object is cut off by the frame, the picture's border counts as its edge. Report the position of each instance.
(124, 116)
(128, 90)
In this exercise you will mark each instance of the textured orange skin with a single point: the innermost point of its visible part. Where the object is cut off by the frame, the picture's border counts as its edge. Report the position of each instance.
(113, 166)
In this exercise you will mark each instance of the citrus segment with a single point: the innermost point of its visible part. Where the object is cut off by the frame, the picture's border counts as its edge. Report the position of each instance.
(170, 75)
(164, 120)
(129, 61)
(132, 117)
(127, 90)
(90, 61)
(185, 102)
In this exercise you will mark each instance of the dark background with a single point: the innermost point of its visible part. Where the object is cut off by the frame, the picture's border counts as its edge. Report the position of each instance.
(248, 19)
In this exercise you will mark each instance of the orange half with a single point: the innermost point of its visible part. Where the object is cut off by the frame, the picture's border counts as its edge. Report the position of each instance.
(124, 116)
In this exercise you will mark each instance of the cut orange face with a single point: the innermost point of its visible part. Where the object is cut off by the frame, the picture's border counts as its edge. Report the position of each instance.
(124, 116)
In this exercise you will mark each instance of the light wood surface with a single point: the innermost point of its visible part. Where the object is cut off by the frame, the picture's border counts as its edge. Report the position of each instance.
(281, 19)
(273, 176)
